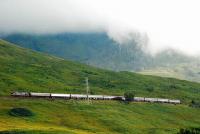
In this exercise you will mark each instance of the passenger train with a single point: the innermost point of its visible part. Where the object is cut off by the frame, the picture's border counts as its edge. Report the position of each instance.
(91, 97)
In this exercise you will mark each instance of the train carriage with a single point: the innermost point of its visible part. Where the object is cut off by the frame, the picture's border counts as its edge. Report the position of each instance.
(78, 96)
(33, 94)
(65, 96)
(175, 101)
(163, 100)
(139, 99)
(151, 99)
(20, 94)
(96, 97)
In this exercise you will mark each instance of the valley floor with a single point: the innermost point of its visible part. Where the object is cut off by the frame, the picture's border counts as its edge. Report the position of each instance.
(112, 117)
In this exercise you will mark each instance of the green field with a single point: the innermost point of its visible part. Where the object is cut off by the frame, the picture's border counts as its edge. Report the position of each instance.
(25, 70)
(61, 116)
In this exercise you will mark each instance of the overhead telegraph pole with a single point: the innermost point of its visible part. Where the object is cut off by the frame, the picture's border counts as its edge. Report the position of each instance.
(87, 88)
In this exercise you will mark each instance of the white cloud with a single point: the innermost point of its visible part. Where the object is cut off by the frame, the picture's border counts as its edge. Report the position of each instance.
(168, 23)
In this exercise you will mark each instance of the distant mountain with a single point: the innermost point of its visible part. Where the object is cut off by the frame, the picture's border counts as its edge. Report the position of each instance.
(171, 63)
(92, 48)
(99, 50)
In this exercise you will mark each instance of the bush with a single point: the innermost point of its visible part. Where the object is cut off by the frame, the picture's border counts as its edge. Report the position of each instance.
(189, 131)
(25, 132)
(22, 112)
(129, 95)
(195, 104)
(12, 132)
(149, 88)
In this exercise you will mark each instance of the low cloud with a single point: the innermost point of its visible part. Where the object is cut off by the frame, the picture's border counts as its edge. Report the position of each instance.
(155, 24)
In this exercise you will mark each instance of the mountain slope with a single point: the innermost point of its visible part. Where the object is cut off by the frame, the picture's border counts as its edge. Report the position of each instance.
(23, 69)
(99, 50)
(92, 48)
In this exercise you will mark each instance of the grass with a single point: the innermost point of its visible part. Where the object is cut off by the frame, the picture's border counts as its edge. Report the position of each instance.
(97, 117)
(25, 70)
(184, 71)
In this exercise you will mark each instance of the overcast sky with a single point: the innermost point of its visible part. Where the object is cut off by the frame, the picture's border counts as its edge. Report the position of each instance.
(165, 23)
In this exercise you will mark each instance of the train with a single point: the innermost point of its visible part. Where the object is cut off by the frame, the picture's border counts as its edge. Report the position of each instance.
(92, 97)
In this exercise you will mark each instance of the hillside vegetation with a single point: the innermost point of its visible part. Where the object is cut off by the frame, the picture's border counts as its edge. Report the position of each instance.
(99, 50)
(96, 49)
(110, 117)
(186, 71)
(25, 70)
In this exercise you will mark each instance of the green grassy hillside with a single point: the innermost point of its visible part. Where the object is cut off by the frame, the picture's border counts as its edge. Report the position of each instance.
(99, 50)
(186, 71)
(25, 70)
(110, 117)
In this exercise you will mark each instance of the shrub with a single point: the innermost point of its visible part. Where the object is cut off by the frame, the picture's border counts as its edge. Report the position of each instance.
(22, 112)
(149, 88)
(129, 95)
(12, 132)
(189, 131)
(195, 104)
(89, 72)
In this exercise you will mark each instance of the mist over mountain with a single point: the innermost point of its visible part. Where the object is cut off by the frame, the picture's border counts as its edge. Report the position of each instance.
(92, 48)
(99, 50)
(166, 24)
